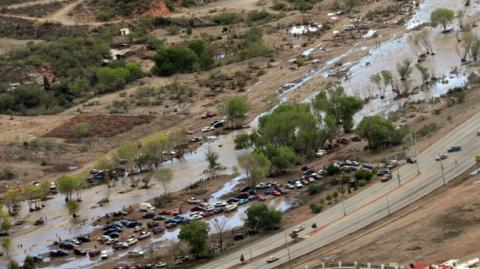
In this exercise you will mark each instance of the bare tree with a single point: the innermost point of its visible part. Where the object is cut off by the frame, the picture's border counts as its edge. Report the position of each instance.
(421, 39)
(164, 176)
(404, 69)
(219, 225)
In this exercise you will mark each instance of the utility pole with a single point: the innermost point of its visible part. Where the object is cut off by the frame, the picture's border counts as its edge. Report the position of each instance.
(398, 177)
(443, 172)
(288, 247)
(344, 210)
(250, 248)
(388, 204)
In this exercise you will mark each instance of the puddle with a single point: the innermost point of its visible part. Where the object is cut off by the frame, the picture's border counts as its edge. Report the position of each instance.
(227, 188)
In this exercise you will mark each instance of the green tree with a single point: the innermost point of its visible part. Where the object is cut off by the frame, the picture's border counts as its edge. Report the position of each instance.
(338, 105)
(68, 185)
(260, 217)
(155, 146)
(380, 132)
(29, 263)
(281, 158)
(294, 126)
(242, 141)
(127, 153)
(73, 207)
(169, 61)
(12, 198)
(33, 194)
(7, 245)
(213, 165)
(256, 167)
(13, 265)
(5, 223)
(196, 234)
(235, 109)
(442, 16)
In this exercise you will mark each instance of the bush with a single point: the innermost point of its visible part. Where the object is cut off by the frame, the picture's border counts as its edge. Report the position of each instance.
(331, 169)
(255, 15)
(362, 183)
(314, 189)
(81, 130)
(188, 3)
(226, 18)
(316, 208)
(364, 175)
(428, 129)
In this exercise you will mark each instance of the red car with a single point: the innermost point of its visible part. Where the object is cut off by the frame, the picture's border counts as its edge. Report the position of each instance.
(176, 212)
(276, 193)
(208, 114)
(165, 212)
(207, 214)
(282, 190)
(93, 253)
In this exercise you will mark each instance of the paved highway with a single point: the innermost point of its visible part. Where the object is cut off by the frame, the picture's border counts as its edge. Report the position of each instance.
(369, 205)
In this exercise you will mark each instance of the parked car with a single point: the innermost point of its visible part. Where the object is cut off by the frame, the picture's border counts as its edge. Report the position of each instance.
(58, 253)
(208, 114)
(149, 215)
(111, 241)
(135, 253)
(138, 228)
(122, 245)
(159, 218)
(298, 185)
(343, 141)
(193, 200)
(386, 177)
(356, 139)
(320, 153)
(104, 254)
(79, 252)
(93, 253)
(158, 230)
(132, 241)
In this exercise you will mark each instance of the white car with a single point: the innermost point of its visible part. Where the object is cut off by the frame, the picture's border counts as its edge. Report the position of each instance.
(298, 185)
(135, 253)
(221, 204)
(321, 153)
(138, 228)
(111, 241)
(104, 255)
(289, 186)
(193, 200)
(299, 229)
(231, 207)
(195, 216)
(207, 129)
(103, 238)
(272, 259)
(132, 241)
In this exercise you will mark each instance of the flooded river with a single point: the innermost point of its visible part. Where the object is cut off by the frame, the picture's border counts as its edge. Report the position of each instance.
(383, 57)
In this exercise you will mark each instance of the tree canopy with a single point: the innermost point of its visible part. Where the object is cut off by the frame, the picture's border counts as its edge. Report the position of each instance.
(341, 107)
(260, 217)
(256, 167)
(68, 184)
(381, 132)
(442, 16)
(196, 234)
(235, 109)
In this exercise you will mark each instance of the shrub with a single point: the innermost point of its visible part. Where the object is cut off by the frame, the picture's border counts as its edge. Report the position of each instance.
(316, 208)
(428, 129)
(364, 175)
(226, 18)
(362, 183)
(314, 189)
(81, 130)
(255, 15)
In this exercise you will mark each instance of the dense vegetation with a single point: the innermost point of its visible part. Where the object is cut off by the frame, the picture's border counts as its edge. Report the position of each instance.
(76, 67)
(125, 8)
